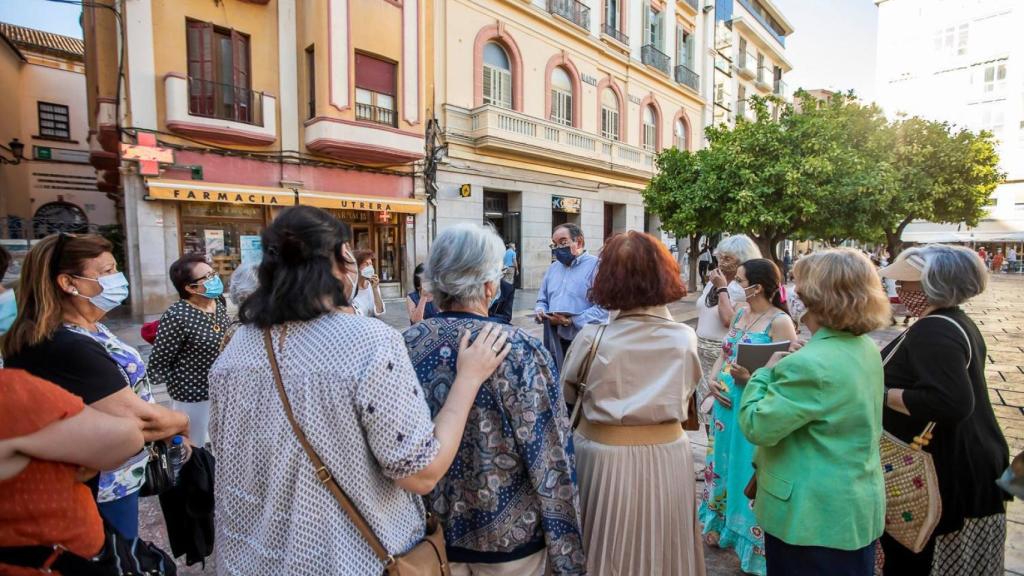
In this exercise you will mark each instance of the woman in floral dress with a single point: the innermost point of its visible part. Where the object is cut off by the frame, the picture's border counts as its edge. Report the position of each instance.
(728, 515)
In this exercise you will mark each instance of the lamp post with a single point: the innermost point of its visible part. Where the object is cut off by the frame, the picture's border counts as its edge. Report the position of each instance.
(17, 150)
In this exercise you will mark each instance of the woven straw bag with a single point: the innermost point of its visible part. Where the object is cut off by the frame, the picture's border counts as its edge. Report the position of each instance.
(912, 503)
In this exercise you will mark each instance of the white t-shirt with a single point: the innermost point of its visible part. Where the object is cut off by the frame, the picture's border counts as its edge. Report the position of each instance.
(709, 325)
(363, 302)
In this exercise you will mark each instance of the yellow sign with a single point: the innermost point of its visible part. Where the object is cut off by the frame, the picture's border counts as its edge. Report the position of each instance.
(360, 202)
(465, 190)
(192, 191)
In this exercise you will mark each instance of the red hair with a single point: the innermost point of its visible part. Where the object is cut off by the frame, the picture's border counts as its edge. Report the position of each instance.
(636, 271)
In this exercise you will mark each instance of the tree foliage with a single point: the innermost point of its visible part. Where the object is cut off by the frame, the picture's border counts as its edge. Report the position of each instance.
(832, 170)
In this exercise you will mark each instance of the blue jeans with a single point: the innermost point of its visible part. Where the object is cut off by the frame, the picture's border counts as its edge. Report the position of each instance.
(122, 514)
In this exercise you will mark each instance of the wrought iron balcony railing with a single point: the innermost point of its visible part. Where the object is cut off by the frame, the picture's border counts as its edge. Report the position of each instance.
(653, 57)
(687, 77)
(572, 10)
(224, 101)
(375, 114)
(614, 32)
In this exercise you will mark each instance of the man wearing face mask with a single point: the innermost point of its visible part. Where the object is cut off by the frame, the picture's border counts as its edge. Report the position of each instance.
(367, 300)
(563, 302)
(188, 340)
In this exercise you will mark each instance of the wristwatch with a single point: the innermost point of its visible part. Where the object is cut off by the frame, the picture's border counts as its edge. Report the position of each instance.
(721, 290)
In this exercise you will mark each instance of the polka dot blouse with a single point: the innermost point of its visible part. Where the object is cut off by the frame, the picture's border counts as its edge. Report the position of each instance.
(188, 340)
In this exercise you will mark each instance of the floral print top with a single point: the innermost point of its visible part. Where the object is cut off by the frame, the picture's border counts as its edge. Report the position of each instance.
(510, 491)
(127, 479)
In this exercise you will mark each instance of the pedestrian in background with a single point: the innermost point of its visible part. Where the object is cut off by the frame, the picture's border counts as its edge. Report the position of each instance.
(510, 263)
(244, 281)
(1011, 258)
(8, 304)
(509, 505)
(419, 303)
(716, 307)
(815, 417)
(355, 397)
(563, 301)
(502, 308)
(368, 300)
(936, 373)
(68, 284)
(188, 340)
(726, 511)
(997, 261)
(704, 263)
(633, 457)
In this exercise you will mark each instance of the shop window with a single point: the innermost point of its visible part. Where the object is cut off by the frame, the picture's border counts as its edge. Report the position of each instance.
(221, 232)
(383, 233)
(218, 74)
(375, 90)
(497, 76)
(54, 121)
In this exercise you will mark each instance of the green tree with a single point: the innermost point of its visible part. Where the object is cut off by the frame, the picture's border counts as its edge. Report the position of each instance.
(939, 174)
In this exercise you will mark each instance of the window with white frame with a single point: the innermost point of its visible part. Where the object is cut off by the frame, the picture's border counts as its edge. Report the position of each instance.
(609, 114)
(650, 134)
(561, 97)
(654, 26)
(680, 135)
(994, 84)
(497, 76)
(992, 119)
(952, 40)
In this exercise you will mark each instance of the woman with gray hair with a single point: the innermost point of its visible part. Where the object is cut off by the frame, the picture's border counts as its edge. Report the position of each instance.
(716, 306)
(244, 281)
(509, 504)
(935, 373)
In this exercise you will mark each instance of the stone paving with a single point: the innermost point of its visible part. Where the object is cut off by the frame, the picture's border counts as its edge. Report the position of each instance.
(999, 314)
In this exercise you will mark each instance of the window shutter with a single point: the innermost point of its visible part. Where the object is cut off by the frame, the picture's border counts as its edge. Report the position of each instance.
(375, 74)
(240, 56)
(488, 85)
(505, 89)
(647, 23)
(200, 67)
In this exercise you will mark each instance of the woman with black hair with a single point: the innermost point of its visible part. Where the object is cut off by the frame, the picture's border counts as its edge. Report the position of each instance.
(420, 303)
(725, 511)
(355, 397)
(188, 340)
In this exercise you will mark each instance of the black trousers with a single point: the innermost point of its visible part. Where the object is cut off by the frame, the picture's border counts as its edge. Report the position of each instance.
(565, 346)
(789, 560)
(900, 561)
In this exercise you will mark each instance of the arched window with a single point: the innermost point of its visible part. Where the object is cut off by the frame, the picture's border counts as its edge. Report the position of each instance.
(561, 96)
(650, 135)
(59, 217)
(497, 71)
(609, 114)
(680, 135)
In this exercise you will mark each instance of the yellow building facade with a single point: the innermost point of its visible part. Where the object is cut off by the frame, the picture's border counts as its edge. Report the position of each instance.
(553, 111)
(263, 104)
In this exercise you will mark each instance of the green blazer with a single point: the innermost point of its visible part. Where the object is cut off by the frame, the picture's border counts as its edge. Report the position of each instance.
(816, 418)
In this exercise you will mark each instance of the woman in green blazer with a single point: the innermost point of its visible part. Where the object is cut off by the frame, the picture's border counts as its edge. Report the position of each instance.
(816, 417)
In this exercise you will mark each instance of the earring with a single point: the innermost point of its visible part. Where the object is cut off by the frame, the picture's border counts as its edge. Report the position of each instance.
(74, 291)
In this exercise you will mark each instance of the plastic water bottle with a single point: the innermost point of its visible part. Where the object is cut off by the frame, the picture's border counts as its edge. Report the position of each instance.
(176, 454)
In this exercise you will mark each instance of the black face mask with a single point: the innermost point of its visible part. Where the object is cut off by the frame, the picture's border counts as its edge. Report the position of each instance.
(564, 255)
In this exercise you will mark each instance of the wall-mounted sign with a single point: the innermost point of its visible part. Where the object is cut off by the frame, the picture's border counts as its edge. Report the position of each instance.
(148, 153)
(588, 79)
(251, 247)
(192, 191)
(566, 204)
(465, 190)
(635, 99)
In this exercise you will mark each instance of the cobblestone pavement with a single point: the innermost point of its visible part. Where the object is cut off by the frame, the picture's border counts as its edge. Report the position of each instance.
(999, 314)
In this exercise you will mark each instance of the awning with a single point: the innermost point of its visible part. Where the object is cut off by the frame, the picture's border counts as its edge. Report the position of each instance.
(199, 191)
(340, 201)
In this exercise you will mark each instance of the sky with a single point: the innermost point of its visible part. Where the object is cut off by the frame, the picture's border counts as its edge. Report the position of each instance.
(833, 46)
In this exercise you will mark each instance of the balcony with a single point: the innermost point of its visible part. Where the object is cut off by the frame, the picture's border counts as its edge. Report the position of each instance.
(507, 131)
(692, 4)
(375, 114)
(722, 98)
(687, 77)
(779, 88)
(572, 10)
(615, 33)
(219, 112)
(764, 78)
(656, 58)
(746, 66)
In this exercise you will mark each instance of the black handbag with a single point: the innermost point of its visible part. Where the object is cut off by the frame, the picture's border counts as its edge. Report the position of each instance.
(159, 470)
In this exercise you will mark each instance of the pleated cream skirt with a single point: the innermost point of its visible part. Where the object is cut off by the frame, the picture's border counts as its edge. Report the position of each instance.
(639, 509)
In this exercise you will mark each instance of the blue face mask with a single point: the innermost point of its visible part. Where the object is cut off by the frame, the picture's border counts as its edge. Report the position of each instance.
(214, 288)
(8, 310)
(564, 255)
(115, 291)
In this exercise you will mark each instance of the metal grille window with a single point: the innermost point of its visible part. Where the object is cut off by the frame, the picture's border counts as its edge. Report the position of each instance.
(375, 90)
(54, 121)
(609, 115)
(561, 97)
(650, 129)
(497, 76)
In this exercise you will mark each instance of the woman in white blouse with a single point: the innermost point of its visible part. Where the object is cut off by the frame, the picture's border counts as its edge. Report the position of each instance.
(716, 306)
(368, 300)
(354, 395)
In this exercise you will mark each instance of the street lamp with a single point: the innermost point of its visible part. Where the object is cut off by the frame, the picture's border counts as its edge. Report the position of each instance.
(17, 150)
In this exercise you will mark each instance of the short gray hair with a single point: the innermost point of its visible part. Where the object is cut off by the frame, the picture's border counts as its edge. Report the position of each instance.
(244, 281)
(574, 231)
(464, 258)
(951, 274)
(739, 246)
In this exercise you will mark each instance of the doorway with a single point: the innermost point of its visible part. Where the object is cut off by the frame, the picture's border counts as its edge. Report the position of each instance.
(502, 211)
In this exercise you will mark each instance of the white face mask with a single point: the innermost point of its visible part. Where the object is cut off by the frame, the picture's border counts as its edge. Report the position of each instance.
(367, 271)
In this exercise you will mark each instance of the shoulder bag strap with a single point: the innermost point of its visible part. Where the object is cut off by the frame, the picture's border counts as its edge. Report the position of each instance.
(583, 374)
(322, 474)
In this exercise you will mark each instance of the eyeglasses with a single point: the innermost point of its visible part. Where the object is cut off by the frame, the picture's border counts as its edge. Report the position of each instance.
(562, 244)
(203, 279)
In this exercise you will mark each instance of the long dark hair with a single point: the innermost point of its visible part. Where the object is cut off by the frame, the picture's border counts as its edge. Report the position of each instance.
(764, 273)
(300, 250)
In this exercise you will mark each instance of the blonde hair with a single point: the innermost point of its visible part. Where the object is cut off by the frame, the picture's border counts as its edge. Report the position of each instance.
(39, 298)
(843, 290)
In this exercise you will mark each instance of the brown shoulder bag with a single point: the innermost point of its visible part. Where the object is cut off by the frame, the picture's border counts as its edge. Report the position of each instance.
(427, 558)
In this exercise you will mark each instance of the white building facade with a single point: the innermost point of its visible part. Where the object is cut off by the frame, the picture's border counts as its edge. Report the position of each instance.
(960, 61)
